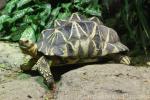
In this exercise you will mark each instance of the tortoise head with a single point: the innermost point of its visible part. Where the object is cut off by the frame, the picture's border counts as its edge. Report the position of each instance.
(28, 47)
(27, 43)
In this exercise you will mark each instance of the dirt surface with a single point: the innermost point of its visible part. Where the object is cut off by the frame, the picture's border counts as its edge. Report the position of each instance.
(90, 82)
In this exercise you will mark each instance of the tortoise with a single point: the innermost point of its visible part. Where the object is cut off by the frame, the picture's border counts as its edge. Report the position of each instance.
(72, 41)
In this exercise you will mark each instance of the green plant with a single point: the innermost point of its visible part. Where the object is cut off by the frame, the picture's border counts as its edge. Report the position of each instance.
(23, 17)
(131, 21)
(30, 17)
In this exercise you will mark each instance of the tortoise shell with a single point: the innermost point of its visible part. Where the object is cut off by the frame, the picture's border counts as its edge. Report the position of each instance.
(76, 17)
(81, 38)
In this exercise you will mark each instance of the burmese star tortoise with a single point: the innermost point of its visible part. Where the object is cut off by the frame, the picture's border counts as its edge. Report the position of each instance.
(76, 40)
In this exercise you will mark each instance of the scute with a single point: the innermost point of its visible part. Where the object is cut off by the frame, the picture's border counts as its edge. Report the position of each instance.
(70, 51)
(95, 19)
(90, 26)
(108, 34)
(97, 40)
(77, 17)
(58, 23)
(80, 37)
(91, 49)
(57, 51)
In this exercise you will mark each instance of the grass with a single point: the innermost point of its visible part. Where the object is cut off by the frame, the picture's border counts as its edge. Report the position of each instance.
(131, 22)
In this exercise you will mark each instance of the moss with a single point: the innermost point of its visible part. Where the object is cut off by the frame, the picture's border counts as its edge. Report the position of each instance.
(23, 76)
(40, 80)
(2, 65)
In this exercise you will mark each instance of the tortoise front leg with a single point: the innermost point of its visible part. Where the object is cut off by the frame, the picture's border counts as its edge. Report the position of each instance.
(43, 67)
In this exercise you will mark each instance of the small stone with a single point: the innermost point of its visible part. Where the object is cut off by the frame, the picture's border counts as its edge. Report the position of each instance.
(29, 96)
(148, 63)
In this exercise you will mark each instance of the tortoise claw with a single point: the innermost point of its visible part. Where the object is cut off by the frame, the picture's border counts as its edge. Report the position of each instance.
(50, 83)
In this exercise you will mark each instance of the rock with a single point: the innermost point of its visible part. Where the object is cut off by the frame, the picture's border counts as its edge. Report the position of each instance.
(21, 90)
(11, 56)
(105, 82)
(148, 63)
(12, 88)
(90, 82)
(2, 3)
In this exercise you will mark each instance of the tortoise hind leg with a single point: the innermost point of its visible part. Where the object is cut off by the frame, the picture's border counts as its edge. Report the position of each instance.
(123, 59)
(43, 67)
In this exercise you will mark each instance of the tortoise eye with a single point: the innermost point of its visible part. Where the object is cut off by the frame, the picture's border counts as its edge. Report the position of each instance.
(26, 41)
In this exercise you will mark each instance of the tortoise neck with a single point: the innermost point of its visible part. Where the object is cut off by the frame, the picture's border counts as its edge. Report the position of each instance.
(33, 50)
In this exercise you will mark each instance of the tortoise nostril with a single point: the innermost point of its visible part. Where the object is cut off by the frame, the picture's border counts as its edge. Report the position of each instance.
(26, 41)
(20, 42)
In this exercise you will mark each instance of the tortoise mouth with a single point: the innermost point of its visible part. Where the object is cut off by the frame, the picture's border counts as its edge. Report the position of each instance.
(23, 47)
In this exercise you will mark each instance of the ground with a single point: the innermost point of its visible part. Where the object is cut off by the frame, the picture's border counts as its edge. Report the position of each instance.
(89, 82)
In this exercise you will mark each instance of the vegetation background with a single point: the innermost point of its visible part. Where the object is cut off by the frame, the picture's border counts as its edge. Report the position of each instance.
(130, 18)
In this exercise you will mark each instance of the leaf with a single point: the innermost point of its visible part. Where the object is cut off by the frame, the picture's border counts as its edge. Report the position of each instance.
(49, 23)
(79, 7)
(55, 11)
(28, 19)
(10, 6)
(20, 13)
(29, 33)
(47, 10)
(63, 15)
(127, 24)
(5, 38)
(66, 6)
(142, 18)
(93, 10)
(22, 2)
(54, 14)
(88, 6)
(1, 27)
(4, 18)
(44, 15)
(82, 1)
(126, 8)
(17, 33)
(107, 3)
